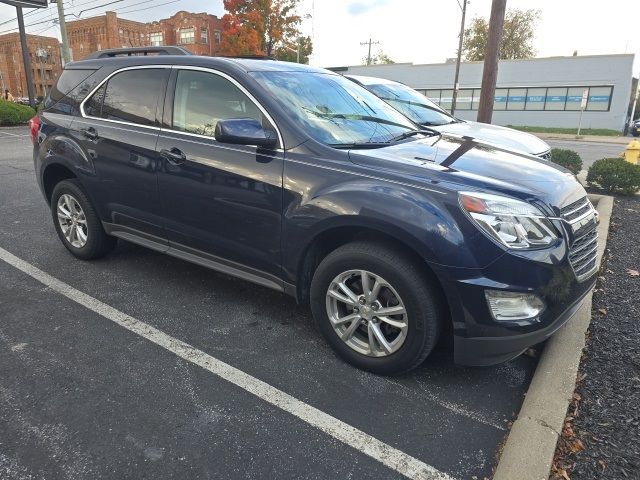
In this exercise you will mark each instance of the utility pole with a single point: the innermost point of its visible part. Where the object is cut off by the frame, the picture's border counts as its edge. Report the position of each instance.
(63, 32)
(25, 57)
(456, 83)
(491, 57)
(369, 54)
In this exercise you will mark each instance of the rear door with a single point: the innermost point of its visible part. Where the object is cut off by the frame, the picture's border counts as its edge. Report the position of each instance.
(119, 130)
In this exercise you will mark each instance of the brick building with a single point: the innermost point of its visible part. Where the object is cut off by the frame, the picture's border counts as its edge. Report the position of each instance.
(45, 73)
(197, 32)
(105, 31)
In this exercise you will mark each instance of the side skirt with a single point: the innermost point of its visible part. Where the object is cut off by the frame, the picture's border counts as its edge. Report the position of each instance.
(199, 257)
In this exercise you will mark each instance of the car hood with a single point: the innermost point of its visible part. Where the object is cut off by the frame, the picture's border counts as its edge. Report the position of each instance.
(462, 163)
(503, 136)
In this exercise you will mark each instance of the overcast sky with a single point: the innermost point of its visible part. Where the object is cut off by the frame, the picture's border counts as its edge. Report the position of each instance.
(418, 31)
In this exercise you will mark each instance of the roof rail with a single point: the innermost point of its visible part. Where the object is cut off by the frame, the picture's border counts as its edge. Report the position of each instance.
(142, 51)
(249, 57)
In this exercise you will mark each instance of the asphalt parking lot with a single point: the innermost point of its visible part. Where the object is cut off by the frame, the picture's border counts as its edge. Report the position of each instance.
(589, 151)
(88, 390)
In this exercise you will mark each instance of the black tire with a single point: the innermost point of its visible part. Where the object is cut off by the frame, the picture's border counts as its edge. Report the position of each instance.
(98, 243)
(423, 307)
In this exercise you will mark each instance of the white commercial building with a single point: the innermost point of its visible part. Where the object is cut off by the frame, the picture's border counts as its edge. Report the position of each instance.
(543, 92)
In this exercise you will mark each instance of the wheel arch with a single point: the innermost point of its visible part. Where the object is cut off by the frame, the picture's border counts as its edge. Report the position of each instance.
(53, 174)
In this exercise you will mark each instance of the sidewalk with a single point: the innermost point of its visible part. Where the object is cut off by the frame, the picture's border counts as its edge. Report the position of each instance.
(584, 138)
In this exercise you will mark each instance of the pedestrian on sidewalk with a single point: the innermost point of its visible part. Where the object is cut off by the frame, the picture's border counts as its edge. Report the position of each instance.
(8, 97)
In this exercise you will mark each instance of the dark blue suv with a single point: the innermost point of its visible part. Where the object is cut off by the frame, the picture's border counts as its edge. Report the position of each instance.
(297, 179)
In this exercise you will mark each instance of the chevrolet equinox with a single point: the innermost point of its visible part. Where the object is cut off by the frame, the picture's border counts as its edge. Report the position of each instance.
(297, 179)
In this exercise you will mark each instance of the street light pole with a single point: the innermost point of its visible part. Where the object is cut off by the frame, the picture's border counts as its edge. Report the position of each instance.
(456, 83)
(26, 61)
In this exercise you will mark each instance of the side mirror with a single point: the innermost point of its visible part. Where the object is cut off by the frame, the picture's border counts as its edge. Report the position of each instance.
(245, 131)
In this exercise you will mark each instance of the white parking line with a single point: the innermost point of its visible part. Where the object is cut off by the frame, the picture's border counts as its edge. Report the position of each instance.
(374, 448)
(12, 135)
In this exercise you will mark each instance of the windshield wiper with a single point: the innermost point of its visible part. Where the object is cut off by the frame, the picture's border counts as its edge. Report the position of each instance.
(349, 116)
(428, 132)
(356, 145)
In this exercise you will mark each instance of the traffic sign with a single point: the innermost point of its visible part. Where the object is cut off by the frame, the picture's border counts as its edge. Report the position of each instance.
(27, 3)
(585, 96)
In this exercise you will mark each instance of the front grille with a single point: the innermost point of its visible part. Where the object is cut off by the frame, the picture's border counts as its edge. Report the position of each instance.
(583, 254)
(576, 209)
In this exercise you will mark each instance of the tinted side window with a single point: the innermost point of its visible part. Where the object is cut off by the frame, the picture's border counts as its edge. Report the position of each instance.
(202, 99)
(70, 89)
(133, 95)
(93, 106)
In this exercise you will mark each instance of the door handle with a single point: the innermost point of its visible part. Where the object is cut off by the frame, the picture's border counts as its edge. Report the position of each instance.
(174, 156)
(90, 133)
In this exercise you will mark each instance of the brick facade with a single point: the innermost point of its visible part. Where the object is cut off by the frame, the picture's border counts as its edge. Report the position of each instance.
(197, 32)
(12, 75)
(106, 31)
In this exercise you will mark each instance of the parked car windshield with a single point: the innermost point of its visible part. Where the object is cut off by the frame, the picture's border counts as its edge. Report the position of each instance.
(334, 110)
(411, 103)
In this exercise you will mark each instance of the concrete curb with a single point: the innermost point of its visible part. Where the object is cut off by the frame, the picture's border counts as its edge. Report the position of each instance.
(531, 444)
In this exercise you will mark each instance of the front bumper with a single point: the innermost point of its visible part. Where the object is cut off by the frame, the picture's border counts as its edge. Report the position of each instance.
(484, 351)
(479, 339)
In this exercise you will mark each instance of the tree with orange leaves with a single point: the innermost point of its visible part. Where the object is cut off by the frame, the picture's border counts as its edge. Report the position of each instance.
(260, 27)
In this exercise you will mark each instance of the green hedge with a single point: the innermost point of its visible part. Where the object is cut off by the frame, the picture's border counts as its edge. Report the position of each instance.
(14, 113)
(615, 175)
(567, 159)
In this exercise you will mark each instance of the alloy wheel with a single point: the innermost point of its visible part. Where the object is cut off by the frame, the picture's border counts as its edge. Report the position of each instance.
(72, 220)
(367, 313)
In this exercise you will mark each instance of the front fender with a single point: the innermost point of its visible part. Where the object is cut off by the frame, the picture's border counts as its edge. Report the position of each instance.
(426, 220)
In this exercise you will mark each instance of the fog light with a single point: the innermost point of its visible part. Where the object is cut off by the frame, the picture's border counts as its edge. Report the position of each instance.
(506, 306)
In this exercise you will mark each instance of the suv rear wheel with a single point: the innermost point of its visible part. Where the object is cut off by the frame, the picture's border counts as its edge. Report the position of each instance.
(375, 307)
(77, 222)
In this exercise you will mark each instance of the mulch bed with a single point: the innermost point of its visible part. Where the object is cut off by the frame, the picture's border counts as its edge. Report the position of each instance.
(601, 436)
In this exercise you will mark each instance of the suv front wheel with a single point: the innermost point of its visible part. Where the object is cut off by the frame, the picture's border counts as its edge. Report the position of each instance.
(77, 222)
(375, 307)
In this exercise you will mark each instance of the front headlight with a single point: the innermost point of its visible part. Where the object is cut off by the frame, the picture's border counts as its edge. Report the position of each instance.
(513, 223)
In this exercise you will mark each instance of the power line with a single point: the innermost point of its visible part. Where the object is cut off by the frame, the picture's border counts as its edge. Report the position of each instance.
(148, 8)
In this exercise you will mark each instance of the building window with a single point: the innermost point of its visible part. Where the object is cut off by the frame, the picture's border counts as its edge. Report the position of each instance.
(500, 99)
(433, 95)
(517, 98)
(204, 35)
(567, 99)
(187, 35)
(217, 37)
(536, 98)
(446, 97)
(156, 39)
(599, 99)
(556, 98)
(574, 98)
(464, 99)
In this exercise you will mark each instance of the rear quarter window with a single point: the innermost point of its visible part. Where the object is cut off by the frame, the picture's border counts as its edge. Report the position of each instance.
(70, 89)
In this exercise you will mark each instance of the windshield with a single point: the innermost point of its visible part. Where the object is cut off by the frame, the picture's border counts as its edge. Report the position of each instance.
(411, 103)
(334, 110)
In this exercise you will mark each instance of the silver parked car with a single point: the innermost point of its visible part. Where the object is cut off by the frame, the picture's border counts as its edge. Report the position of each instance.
(424, 112)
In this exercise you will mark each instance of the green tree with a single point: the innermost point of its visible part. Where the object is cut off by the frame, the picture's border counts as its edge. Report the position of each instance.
(378, 58)
(288, 51)
(517, 37)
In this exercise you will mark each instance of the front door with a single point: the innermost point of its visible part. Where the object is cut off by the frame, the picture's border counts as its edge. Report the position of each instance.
(222, 203)
(119, 131)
